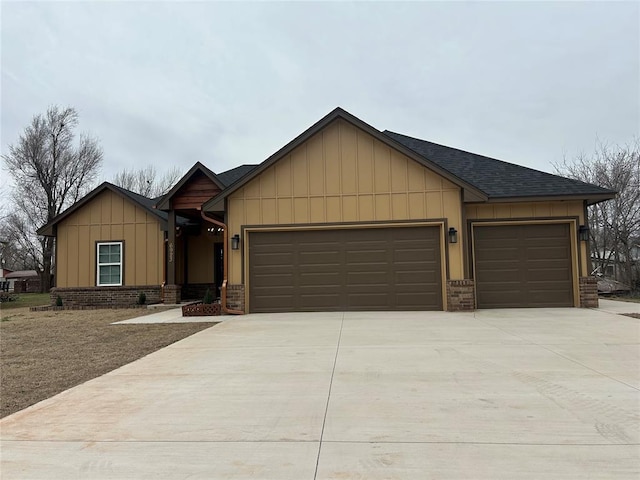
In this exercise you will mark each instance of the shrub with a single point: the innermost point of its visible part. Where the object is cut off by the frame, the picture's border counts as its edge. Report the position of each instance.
(208, 297)
(142, 298)
(7, 297)
(58, 301)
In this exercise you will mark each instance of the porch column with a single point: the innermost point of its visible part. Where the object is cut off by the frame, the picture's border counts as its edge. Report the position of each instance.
(171, 249)
(171, 290)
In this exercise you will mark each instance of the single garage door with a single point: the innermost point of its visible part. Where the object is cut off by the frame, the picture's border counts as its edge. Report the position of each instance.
(345, 269)
(523, 266)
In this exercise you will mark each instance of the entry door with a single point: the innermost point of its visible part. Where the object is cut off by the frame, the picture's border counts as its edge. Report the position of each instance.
(218, 266)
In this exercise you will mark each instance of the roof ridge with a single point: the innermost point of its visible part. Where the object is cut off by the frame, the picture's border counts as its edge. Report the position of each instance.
(239, 166)
(126, 190)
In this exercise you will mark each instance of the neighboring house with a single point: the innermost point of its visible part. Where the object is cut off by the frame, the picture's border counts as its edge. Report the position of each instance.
(612, 266)
(6, 285)
(24, 281)
(344, 217)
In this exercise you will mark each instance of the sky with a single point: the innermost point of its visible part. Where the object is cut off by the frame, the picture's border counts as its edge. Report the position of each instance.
(172, 83)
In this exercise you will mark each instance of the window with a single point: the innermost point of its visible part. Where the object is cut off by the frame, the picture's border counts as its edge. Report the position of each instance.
(109, 269)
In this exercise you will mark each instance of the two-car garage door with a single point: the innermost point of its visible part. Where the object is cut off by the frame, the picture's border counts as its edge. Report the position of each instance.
(345, 269)
(523, 265)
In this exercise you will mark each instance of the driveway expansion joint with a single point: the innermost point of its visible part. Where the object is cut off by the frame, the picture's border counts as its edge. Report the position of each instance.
(326, 410)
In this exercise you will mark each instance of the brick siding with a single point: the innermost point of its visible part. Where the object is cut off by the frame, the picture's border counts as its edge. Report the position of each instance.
(172, 294)
(588, 292)
(105, 296)
(460, 296)
(235, 297)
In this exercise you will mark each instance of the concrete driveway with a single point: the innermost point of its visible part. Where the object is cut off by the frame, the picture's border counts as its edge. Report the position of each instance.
(495, 394)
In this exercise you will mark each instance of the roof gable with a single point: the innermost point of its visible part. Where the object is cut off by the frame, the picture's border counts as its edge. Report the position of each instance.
(217, 203)
(198, 170)
(143, 202)
(499, 179)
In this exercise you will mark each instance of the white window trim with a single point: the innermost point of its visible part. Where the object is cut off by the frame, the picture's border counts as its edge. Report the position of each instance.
(98, 264)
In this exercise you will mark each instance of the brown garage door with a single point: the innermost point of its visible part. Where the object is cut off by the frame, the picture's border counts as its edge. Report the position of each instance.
(523, 266)
(345, 269)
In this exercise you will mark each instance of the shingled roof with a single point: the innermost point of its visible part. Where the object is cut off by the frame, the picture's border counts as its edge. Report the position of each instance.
(235, 174)
(498, 179)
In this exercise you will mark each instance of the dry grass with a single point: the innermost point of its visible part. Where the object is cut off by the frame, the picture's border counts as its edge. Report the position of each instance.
(44, 353)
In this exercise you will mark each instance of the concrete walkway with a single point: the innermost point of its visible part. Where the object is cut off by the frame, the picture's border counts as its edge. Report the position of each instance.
(173, 315)
(495, 394)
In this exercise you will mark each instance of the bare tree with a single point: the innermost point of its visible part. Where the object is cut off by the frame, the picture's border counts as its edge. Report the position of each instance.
(50, 172)
(146, 181)
(615, 224)
(15, 254)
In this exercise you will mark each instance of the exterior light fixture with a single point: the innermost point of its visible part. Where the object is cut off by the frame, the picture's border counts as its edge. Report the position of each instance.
(583, 233)
(453, 235)
(235, 242)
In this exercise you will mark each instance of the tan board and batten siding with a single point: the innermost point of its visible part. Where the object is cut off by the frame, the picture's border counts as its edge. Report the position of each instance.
(109, 217)
(343, 175)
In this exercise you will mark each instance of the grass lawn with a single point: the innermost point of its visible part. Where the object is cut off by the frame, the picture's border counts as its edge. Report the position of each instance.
(25, 300)
(44, 353)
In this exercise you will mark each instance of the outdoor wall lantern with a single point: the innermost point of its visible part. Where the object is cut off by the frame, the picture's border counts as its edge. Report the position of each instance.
(235, 242)
(453, 235)
(583, 233)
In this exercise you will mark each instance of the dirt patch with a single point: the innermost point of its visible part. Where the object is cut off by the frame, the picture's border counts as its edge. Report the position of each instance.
(632, 315)
(44, 353)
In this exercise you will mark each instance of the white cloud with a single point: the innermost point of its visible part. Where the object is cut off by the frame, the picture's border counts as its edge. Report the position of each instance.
(230, 83)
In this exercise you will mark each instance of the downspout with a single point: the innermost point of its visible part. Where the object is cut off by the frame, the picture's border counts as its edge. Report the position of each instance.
(225, 263)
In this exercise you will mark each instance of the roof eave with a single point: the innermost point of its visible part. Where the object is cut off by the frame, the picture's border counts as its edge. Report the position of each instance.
(46, 230)
(590, 198)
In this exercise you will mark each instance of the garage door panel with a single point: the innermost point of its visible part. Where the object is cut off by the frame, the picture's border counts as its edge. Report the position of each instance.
(414, 255)
(549, 276)
(327, 279)
(317, 258)
(368, 301)
(271, 260)
(524, 265)
(348, 269)
(547, 254)
(493, 253)
(421, 279)
(277, 280)
(413, 300)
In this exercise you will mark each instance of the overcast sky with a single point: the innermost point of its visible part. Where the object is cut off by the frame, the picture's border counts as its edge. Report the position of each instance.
(230, 83)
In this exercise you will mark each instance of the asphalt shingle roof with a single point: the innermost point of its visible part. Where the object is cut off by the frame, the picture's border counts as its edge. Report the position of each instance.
(496, 178)
(235, 174)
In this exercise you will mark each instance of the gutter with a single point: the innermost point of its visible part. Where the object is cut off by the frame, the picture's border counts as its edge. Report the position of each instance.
(223, 290)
